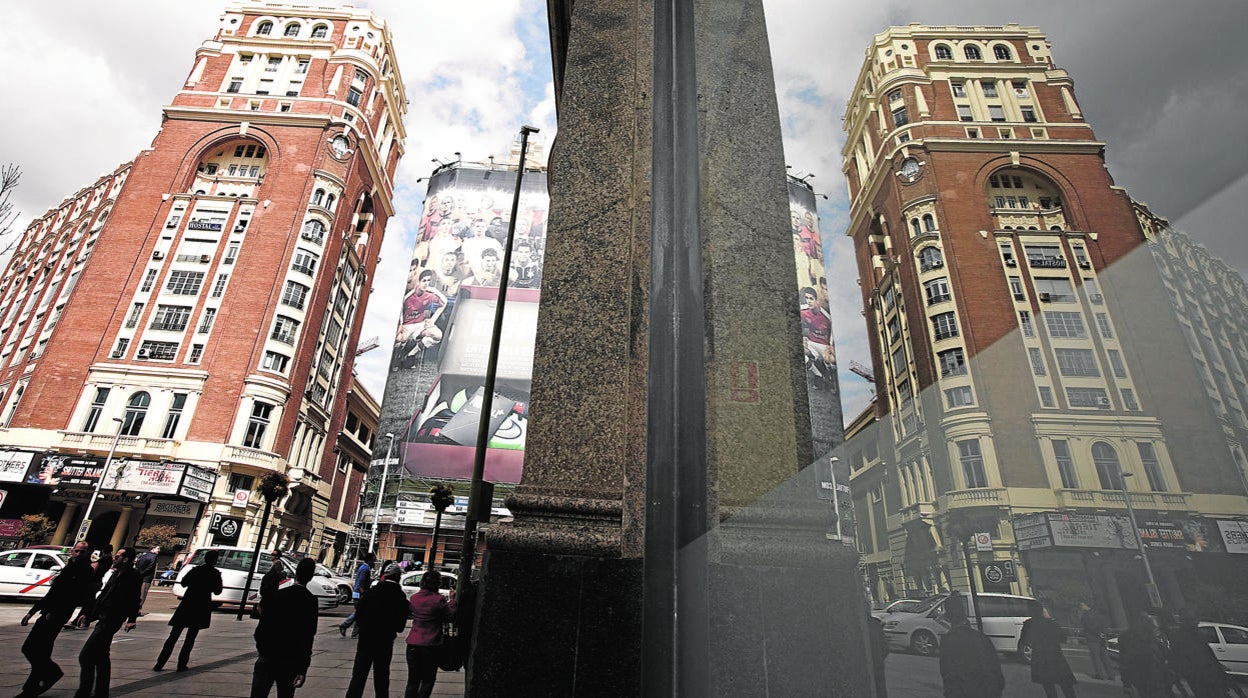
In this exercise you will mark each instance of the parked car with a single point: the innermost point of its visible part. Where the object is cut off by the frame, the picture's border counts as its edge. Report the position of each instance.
(920, 629)
(410, 582)
(344, 585)
(904, 605)
(234, 563)
(1228, 642)
(28, 572)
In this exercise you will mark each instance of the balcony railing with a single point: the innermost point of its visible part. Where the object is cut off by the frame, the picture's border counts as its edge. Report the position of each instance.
(253, 456)
(974, 497)
(1165, 501)
(127, 444)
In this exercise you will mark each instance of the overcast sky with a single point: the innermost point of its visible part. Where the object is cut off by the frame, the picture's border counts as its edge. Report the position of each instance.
(1156, 79)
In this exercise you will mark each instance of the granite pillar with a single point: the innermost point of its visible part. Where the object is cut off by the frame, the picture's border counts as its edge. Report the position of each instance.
(670, 431)
(64, 525)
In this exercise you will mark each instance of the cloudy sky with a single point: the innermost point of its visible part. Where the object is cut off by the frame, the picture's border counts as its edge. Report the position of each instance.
(1156, 79)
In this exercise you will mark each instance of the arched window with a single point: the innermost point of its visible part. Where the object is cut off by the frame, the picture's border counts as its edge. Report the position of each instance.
(929, 223)
(1107, 468)
(329, 202)
(136, 411)
(320, 31)
(972, 53)
(264, 29)
(318, 197)
(930, 258)
(1002, 52)
(292, 29)
(943, 53)
(314, 231)
(914, 227)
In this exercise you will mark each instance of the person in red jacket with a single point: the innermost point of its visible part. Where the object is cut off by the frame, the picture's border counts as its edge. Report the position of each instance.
(429, 612)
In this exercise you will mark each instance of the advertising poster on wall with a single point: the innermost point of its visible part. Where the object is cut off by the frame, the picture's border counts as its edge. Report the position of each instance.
(14, 464)
(437, 364)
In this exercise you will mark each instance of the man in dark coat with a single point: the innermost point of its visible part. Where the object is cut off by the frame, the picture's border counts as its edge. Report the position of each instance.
(879, 651)
(284, 636)
(69, 589)
(381, 615)
(145, 565)
(102, 564)
(1193, 659)
(969, 667)
(272, 580)
(194, 613)
(117, 605)
(1048, 664)
(1095, 625)
(363, 580)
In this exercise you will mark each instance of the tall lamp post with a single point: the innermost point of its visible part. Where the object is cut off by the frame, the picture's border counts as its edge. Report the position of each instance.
(1154, 594)
(385, 470)
(836, 496)
(273, 487)
(108, 462)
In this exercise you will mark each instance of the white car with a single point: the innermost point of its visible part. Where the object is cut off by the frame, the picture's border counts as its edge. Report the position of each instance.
(1228, 642)
(234, 563)
(920, 630)
(410, 582)
(27, 573)
(900, 605)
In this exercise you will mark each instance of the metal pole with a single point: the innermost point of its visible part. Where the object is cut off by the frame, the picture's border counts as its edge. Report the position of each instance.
(469, 546)
(385, 470)
(255, 557)
(1154, 594)
(836, 496)
(86, 517)
(970, 577)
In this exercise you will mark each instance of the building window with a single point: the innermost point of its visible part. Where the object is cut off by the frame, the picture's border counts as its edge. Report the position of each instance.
(1020, 89)
(97, 406)
(120, 350)
(158, 351)
(171, 317)
(294, 294)
(1002, 52)
(175, 415)
(1107, 468)
(257, 424)
(205, 323)
(952, 362)
(148, 280)
(320, 31)
(1053, 290)
(943, 53)
(197, 353)
(264, 29)
(959, 89)
(133, 319)
(996, 113)
(1088, 397)
(231, 253)
(915, 229)
(136, 412)
(314, 232)
(292, 29)
(899, 362)
(318, 197)
(1029, 114)
(285, 329)
(302, 67)
(1116, 364)
(1076, 362)
(937, 290)
(899, 117)
(218, 286)
(184, 283)
(304, 261)
(960, 396)
(929, 223)
(1046, 396)
(964, 113)
(1016, 288)
(945, 325)
(894, 96)
(972, 53)
(1037, 361)
(1065, 464)
(972, 464)
(1102, 324)
(972, 133)
(236, 85)
(930, 258)
(1152, 468)
(1024, 321)
(274, 361)
(1128, 400)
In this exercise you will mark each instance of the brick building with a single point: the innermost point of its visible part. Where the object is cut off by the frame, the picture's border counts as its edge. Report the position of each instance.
(199, 308)
(1026, 351)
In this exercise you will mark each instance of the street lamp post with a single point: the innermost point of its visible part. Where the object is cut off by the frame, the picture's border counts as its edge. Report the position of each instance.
(1154, 595)
(836, 496)
(86, 517)
(273, 486)
(385, 470)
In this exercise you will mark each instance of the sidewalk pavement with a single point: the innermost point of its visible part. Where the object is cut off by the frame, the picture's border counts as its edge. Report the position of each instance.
(220, 664)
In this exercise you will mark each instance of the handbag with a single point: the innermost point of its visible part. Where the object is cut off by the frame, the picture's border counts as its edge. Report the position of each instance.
(453, 651)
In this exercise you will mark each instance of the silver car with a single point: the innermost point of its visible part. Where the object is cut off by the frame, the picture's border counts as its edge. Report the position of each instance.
(234, 563)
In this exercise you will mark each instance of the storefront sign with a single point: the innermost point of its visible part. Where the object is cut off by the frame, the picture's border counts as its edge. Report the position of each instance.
(1164, 534)
(154, 477)
(197, 483)
(60, 470)
(225, 529)
(1091, 531)
(241, 498)
(10, 528)
(14, 465)
(1234, 535)
(173, 508)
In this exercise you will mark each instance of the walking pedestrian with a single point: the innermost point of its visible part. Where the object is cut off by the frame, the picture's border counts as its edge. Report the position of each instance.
(1094, 625)
(194, 612)
(382, 614)
(430, 611)
(101, 563)
(363, 580)
(1143, 662)
(117, 606)
(284, 636)
(969, 667)
(1194, 661)
(272, 580)
(68, 589)
(1048, 665)
(145, 565)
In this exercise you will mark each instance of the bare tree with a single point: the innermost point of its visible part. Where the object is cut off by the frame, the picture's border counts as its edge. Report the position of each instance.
(10, 176)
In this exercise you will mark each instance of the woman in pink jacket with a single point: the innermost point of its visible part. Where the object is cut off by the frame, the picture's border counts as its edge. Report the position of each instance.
(429, 612)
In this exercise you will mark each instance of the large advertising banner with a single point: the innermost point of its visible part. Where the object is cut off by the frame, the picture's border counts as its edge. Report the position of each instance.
(437, 366)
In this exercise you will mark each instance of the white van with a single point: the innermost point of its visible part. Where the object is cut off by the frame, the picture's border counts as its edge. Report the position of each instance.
(920, 629)
(234, 563)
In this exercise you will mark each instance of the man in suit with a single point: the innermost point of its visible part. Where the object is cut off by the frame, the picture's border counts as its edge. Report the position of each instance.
(117, 605)
(284, 636)
(68, 590)
(381, 614)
